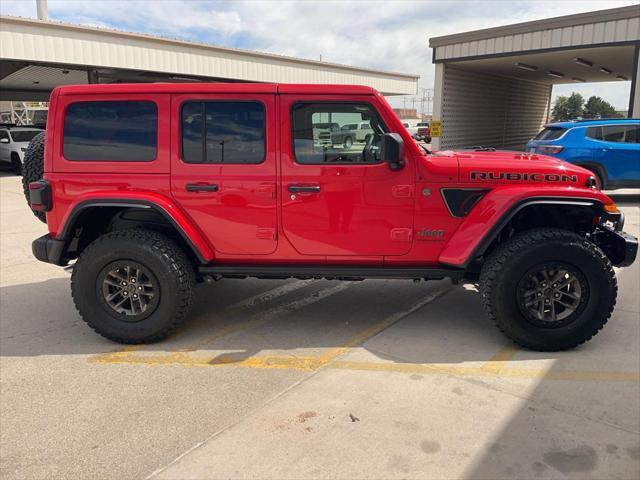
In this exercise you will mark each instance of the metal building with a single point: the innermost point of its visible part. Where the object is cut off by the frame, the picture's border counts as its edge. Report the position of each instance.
(493, 86)
(37, 55)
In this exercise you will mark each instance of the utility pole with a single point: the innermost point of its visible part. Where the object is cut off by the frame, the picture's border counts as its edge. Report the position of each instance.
(427, 97)
(43, 11)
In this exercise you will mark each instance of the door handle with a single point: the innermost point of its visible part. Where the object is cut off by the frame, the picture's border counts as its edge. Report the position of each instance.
(304, 188)
(201, 187)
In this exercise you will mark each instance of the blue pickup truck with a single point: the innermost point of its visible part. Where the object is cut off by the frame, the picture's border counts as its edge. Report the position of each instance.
(610, 148)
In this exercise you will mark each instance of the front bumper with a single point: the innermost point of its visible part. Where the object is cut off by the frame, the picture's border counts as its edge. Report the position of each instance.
(49, 250)
(620, 247)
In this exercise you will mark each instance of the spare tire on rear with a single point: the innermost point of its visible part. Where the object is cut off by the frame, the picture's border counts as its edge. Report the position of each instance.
(33, 168)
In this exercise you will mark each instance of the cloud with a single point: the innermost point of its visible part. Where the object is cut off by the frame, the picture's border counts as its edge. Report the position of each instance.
(386, 35)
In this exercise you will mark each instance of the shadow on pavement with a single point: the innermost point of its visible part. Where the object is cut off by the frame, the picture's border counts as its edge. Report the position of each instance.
(40, 319)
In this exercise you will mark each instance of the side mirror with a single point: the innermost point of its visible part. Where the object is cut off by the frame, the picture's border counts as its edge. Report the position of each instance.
(391, 150)
(4, 140)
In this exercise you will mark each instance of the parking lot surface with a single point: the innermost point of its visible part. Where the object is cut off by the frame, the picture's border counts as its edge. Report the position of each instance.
(307, 379)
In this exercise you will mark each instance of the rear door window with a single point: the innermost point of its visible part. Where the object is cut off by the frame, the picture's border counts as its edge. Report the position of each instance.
(223, 132)
(550, 133)
(113, 131)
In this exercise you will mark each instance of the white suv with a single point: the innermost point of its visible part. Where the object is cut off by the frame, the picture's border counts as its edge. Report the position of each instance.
(13, 143)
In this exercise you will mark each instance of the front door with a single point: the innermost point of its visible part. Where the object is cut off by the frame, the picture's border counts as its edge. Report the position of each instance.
(619, 151)
(340, 200)
(223, 168)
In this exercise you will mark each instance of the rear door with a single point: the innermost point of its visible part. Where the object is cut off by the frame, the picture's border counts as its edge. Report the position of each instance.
(339, 201)
(223, 168)
(618, 150)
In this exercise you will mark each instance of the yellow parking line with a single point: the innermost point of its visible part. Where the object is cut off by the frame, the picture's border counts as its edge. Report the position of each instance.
(378, 327)
(462, 371)
(241, 305)
(271, 314)
(314, 363)
(125, 355)
(500, 360)
(497, 366)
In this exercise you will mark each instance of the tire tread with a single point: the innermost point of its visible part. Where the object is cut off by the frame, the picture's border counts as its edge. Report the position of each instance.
(496, 262)
(170, 253)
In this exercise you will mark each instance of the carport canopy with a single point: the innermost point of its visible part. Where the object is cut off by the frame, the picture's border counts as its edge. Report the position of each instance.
(493, 86)
(37, 55)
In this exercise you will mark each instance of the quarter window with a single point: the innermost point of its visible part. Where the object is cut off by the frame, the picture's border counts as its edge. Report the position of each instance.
(223, 132)
(319, 133)
(114, 131)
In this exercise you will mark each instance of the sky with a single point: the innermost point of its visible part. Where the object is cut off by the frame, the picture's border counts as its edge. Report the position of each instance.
(386, 35)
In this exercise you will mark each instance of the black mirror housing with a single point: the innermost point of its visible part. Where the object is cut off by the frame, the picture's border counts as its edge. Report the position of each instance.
(392, 150)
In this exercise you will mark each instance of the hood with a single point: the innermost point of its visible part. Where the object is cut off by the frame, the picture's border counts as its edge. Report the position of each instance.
(517, 167)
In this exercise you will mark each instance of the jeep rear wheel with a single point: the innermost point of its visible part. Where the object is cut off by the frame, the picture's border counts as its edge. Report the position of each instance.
(33, 169)
(548, 289)
(133, 286)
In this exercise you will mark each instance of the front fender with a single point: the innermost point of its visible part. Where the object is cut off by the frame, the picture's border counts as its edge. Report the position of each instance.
(497, 207)
(160, 203)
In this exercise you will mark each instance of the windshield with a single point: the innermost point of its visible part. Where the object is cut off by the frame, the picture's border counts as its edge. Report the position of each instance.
(550, 133)
(23, 135)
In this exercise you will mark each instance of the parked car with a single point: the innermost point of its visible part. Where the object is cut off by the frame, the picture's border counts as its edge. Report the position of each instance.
(13, 143)
(423, 132)
(332, 134)
(353, 133)
(152, 188)
(322, 133)
(610, 148)
(412, 129)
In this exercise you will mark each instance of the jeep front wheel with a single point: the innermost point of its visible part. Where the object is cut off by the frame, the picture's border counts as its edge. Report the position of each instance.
(548, 289)
(133, 286)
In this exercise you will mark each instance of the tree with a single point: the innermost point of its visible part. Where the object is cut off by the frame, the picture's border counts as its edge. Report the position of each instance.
(596, 107)
(568, 108)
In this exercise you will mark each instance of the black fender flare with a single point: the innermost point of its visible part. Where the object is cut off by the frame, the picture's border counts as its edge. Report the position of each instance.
(502, 222)
(66, 232)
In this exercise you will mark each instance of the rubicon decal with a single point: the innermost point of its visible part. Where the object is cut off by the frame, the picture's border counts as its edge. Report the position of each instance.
(515, 176)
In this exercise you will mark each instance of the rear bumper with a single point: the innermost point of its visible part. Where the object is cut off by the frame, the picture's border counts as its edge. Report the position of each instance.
(49, 250)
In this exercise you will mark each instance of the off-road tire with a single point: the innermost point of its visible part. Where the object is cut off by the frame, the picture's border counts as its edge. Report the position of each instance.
(33, 168)
(506, 266)
(348, 142)
(170, 266)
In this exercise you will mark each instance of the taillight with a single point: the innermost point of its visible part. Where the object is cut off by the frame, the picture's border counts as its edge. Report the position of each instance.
(40, 196)
(549, 149)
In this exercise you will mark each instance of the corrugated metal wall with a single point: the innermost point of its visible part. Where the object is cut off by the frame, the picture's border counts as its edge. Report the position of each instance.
(489, 110)
(626, 29)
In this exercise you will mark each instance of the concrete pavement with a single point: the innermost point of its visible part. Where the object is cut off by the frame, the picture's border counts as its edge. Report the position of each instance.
(307, 379)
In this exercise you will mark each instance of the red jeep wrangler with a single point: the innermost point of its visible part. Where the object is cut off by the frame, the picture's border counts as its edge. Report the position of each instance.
(153, 187)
